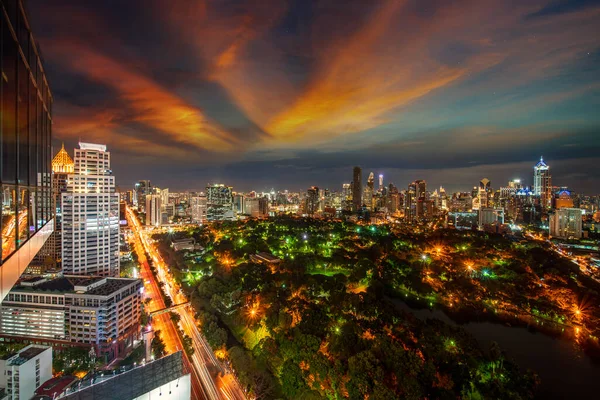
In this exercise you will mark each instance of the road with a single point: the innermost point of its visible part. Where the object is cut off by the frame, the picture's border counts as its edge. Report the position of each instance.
(161, 322)
(215, 381)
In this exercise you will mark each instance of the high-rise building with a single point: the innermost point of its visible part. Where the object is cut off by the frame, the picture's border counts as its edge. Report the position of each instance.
(542, 184)
(90, 215)
(198, 205)
(23, 372)
(566, 223)
(142, 189)
(312, 201)
(490, 216)
(381, 187)
(369, 191)
(219, 199)
(356, 189)
(103, 313)
(256, 207)
(154, 210)
(25, 122)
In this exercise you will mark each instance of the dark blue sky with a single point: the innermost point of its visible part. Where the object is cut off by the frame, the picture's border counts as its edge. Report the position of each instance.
(288, 94)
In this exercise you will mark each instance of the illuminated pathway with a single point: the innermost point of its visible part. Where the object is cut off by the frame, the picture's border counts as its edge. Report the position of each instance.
(215, 383)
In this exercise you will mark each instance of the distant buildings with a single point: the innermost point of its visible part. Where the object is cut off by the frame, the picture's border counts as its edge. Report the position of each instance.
(490, 216)
(90, 215)
(219, 203)
(566, 223)
(25, 147)
(22, 373)
(100, 312)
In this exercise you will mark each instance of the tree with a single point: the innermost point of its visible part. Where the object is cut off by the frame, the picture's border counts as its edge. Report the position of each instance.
(291, 379)
(158, 345)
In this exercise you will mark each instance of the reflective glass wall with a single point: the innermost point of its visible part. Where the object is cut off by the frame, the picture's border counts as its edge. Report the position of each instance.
(25, 132)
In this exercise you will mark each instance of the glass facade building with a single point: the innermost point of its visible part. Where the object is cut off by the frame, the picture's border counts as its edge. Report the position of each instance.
(25, 139)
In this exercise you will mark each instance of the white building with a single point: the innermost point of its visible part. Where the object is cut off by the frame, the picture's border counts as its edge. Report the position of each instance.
(153, 210)
(98, 312)
(199, 206)
(90, 214)
(22, 373)
(565, 223)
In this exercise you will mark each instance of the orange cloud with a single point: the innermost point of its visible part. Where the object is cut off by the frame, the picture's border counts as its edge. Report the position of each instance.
(152, 105)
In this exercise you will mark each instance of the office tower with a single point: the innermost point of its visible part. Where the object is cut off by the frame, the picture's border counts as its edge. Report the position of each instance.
(566, 223)
(346, 204)
(99, 312)
(21, 373)
(356, 189)
(312, 201)
(238, 203)
(381, 182)
(154, 210)
(542, 184)
(444, 203)
(142, 189)
(198, 205)
(90, 215)
(485, 188)
(410, 202)
(25, 122)
(369, 191)
(419, 207)
(219, 199)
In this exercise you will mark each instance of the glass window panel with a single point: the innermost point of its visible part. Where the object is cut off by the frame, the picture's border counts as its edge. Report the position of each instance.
(9, 110)
(22, 121)
(32, 216)
(33, 149)
(23, 212)
(9, 225)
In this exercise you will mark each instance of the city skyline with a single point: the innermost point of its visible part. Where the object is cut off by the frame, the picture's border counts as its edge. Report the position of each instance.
(404, 96)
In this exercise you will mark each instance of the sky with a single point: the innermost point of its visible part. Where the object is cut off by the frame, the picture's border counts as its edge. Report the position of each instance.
(287, 94)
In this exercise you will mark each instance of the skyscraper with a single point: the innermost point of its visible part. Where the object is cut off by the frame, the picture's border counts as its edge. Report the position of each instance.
(542, 184)
(566, 223)
(142, 189)
(356, 189)
(198, 205)
(219, 203)
(25, 122)
(312, 200)
(90, 215)
(369, 191)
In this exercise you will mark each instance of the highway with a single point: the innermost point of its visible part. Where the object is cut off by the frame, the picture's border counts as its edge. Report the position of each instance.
(161, 322)
(216, 383)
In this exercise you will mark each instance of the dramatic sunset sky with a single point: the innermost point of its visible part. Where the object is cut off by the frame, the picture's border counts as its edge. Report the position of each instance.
(287, 94)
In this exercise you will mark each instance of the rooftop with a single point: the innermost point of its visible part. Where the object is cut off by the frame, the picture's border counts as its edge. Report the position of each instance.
(92, 285)
(55, 386)
(26, 354)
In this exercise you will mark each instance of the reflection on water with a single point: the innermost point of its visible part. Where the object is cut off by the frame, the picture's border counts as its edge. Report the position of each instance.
(565, 371)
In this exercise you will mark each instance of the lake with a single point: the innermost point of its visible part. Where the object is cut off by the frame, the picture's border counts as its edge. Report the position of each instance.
(564, 369)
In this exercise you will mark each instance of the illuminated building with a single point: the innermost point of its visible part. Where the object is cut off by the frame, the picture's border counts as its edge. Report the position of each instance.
(21, 373)
(566, 223)
(346, 204)
(219, 203)
(154, 210)
(410, 202)
(483, 193)
(369, 192)
(312, 201)
(563, 199)
(98, 312)
(90, 215)
(542, 184)
(356, 189)
(199, 206)
(381, 187)
(142, 189)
